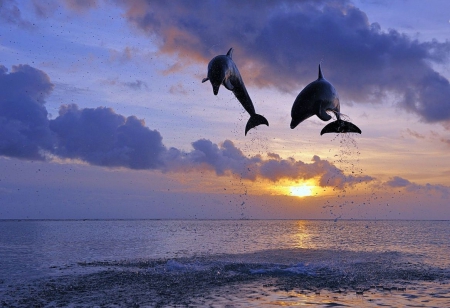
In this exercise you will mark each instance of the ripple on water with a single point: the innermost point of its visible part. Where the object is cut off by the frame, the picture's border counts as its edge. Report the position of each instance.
(271, 278)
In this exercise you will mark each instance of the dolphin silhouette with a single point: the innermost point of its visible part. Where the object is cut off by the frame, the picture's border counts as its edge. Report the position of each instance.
(317, 98)
(223, 71)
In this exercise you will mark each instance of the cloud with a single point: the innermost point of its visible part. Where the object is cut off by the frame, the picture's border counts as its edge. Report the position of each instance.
(227, 159)
(100, 136)
(280, 43)
(415, 134)
(122, 56)
(442, 139)
(398, 182)
(44, 9)
(81, 5)
(24, 126)
(178, 89)
(10, 13)
(445, 140)
(134, 85)
(433, 136)
(49, 7)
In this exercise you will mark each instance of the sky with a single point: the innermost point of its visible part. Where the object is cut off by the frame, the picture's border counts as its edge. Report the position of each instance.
(103, 114)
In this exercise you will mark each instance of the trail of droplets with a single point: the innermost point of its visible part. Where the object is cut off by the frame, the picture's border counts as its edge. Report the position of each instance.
(238, 184)
(347, 159)
(253, 143)
(257, 143)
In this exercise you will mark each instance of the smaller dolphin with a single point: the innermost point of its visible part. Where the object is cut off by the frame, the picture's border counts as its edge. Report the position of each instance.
(223, 71)
(317, 98)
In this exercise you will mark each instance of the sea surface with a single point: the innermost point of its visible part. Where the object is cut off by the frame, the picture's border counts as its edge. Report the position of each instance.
(224, 263)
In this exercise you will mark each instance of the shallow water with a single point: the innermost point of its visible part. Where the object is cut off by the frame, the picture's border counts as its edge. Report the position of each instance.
(241, 263)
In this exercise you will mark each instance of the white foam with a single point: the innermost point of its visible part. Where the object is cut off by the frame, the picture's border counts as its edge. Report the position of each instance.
(299, 269)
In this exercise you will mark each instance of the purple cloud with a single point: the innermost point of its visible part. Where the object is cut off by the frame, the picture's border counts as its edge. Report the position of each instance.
(24, 130)
(227, 159)
(48, 7)
(10, 13)
(100, 136)
(134, 85)
(398, 182)
(81, 5)
(415, 134)
(280, 43)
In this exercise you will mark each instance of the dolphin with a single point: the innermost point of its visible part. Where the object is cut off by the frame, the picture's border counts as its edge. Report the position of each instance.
(223, 71)
(317, 98)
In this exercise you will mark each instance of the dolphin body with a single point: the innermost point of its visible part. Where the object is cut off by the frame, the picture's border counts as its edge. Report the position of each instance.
(223, 71)
(317, 98)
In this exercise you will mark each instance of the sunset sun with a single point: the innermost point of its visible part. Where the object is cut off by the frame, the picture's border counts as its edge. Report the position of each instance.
(301, 190)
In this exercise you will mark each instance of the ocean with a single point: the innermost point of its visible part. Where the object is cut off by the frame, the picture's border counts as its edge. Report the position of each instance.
(224, 263)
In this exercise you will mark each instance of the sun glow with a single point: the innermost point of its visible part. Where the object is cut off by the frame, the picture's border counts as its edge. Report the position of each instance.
(301, 191)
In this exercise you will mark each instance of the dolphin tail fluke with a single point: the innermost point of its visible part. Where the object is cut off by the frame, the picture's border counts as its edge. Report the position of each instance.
(254, 121)
(340, 126)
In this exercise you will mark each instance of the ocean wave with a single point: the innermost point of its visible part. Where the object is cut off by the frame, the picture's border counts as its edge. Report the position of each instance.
(182, 281)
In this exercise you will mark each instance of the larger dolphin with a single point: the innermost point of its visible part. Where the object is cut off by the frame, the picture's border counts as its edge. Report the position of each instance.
(317, 98)
(223, 71)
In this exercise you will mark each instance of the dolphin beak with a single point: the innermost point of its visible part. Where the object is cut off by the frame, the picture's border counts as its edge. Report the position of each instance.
(216, 89)
(294, 123)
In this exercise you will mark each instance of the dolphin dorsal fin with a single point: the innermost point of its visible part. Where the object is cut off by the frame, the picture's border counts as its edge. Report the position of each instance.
(320, 72)
(230, 53)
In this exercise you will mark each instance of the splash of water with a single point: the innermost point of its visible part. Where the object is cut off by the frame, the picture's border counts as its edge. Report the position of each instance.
(346, 159)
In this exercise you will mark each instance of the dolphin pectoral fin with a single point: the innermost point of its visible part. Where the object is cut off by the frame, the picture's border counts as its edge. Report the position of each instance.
(254, 121)
(323, 115)
(205, 79)
(340, 126)
(228, 85)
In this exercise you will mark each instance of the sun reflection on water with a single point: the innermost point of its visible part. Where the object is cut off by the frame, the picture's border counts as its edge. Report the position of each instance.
(302, 238)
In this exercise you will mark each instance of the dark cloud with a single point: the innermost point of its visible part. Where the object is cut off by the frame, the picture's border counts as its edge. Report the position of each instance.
(102, 137)
(96, 135)
(280, 43)
(398, 182)
(24, 130)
